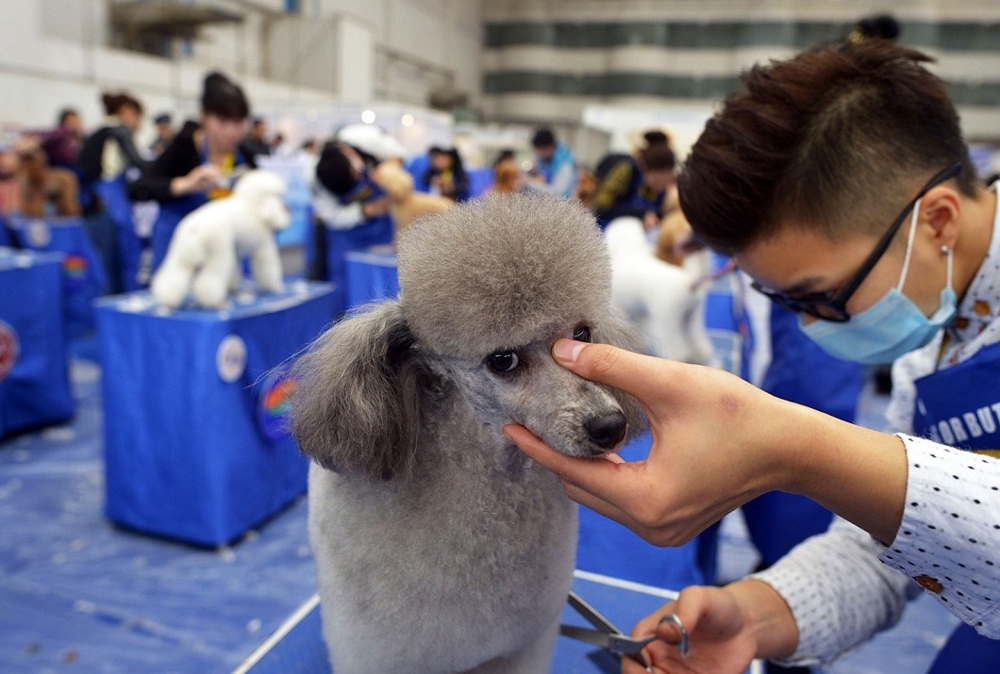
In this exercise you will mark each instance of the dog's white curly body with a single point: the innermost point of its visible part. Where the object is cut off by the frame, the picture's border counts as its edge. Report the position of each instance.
(665, 302)
(204, 255)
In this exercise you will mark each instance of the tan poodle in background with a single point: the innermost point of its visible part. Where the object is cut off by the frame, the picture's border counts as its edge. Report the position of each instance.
(405, 203)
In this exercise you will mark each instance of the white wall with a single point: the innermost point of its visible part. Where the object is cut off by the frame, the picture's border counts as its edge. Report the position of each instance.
(55, 54)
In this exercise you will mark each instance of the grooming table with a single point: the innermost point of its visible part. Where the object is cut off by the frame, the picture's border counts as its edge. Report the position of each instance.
(84, 275)
(34, 370)
(370, 276)
(194, 404)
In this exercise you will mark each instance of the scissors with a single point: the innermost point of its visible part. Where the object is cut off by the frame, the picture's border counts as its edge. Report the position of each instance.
(607, 636)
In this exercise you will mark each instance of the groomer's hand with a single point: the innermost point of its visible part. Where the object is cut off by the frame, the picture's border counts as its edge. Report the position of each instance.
(727, 628)
(199, 179)
(716, 444)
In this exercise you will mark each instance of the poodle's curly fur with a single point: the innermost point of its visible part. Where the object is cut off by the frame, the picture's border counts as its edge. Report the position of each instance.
(439, 546)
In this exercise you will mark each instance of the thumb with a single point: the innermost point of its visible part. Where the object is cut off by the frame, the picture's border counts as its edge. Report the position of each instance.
(635, 374)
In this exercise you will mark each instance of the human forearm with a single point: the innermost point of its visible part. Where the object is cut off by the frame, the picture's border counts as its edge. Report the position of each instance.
(768, 618)
(855, 472)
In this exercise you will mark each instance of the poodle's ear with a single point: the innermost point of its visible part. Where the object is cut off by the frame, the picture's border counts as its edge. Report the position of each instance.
(272, 210)
(617, 331)
(356, 409)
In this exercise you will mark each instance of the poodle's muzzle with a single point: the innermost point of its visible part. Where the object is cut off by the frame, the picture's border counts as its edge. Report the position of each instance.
(572, 415)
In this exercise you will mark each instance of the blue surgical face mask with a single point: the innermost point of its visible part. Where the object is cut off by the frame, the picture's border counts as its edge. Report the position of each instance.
(891, 327)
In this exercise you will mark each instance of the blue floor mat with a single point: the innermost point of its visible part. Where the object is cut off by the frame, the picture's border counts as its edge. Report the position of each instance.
(81, 595)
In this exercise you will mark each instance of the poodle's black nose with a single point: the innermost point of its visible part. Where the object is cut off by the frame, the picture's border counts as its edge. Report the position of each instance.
(606, 430)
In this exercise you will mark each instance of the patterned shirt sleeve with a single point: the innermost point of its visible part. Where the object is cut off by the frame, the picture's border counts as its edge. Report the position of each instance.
(949, 540)
(838, 591)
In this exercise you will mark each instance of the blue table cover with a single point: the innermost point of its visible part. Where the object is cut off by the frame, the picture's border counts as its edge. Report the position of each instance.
(84, 276)
(370, 277)
(34, 368)
(194, 405)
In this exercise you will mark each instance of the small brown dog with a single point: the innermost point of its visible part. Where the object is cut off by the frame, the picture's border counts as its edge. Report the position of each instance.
(42, 184)
(405, 203)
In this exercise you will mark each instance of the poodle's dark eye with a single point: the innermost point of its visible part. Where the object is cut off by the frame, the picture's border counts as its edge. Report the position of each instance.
(503, 361)
(582, 334)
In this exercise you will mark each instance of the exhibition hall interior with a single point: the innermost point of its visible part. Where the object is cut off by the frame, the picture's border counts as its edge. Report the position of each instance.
(242, 428)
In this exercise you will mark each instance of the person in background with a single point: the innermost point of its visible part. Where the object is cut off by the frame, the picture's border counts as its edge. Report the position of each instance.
(164, 134)
(840, 182)
(637, 186)
(256, 141)
(351, 211)
(445, 175)
(109, 161)
(507, 175)
(62, 145)
(201, 163)
(555, 165)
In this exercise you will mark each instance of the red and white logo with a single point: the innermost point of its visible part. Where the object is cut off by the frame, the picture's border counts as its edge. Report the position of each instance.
(10, 348)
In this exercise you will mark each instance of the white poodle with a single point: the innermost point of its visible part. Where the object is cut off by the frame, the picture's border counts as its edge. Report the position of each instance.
(439, 547)
(666, 302)
(209, 243)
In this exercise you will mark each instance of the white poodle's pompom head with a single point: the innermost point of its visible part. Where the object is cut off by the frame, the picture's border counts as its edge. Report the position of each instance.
(501, 270)
(265, 189)
(626, 234)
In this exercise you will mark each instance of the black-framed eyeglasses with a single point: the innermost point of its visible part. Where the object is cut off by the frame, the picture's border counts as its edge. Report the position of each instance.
(832, 305)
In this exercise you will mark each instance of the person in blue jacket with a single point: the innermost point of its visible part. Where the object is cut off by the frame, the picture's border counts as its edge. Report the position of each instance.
(555, 166)
(201, 163)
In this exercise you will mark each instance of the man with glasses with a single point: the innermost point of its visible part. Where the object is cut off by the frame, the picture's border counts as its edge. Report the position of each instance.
(839, 182)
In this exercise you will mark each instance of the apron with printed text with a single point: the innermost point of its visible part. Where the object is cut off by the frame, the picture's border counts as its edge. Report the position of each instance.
(960, 406)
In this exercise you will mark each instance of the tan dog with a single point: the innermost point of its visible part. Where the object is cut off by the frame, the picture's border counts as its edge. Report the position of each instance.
(405, 203)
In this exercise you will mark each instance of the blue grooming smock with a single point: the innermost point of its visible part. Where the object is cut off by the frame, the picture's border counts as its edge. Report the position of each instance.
(114, 195)
(960, 406)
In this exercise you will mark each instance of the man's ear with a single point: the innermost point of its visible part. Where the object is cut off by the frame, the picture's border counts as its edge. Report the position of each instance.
(942, 210)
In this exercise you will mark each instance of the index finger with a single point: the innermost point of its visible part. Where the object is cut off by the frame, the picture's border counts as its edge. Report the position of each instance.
(636, 374)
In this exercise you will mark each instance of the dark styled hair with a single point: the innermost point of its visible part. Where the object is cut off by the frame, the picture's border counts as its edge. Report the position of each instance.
(66, 113)
(222, 98)
(657, 157)
(113, 103)
(836, 139)
(543, 138)
(333, 170)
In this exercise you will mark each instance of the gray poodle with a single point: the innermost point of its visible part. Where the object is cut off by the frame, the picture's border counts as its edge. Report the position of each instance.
(439, 546)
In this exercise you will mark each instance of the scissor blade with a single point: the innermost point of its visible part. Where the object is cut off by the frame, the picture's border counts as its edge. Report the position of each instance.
(616, 643)
(591, 614)
(587, 635)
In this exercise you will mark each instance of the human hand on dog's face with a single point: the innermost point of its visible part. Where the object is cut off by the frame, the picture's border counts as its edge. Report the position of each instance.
(717, 443)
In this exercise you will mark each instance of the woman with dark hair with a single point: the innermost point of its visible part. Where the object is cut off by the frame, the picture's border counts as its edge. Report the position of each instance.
(109, 161)
(636, 186)
(446, 175)
(201, 163)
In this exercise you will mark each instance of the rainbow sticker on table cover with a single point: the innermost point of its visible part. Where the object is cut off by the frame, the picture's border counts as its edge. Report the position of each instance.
(273, 403)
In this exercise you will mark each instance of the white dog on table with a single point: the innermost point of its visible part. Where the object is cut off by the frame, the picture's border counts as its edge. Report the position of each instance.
(209, 243)
(665, 301)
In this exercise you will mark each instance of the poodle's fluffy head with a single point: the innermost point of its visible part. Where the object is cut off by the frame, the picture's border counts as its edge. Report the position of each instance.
(501, 271)
(394, 179)
(263, 190)
(486, 289)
